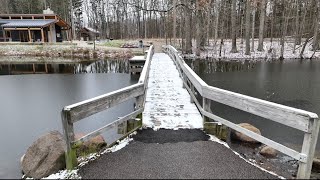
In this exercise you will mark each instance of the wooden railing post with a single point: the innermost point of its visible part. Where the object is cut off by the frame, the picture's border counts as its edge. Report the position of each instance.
(183, 78)
(308, 148)
(192, 91)
(70, 155)
(206, 106)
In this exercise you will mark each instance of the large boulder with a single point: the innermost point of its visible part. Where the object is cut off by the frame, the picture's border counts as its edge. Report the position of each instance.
(92, 146)
(268, 152)
(241, 137)
(45, 156)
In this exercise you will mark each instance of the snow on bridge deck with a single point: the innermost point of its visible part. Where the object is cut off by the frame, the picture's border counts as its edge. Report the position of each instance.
(168, 104)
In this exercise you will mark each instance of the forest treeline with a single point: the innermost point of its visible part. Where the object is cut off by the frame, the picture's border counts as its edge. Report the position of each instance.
(181, 21)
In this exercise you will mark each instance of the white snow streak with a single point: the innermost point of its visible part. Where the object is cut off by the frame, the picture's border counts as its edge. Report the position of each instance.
(252, 162)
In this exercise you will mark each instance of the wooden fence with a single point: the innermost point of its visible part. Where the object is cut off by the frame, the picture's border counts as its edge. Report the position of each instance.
(77, 112)
(304, 121)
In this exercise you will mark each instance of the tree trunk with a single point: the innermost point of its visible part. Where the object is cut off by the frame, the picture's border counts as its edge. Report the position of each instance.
(315, 44)
(208, 25)
(248, 11)
(7, 7)
(199, 36)
(272, 24)
(234, 27)
(174, 22)
(216, 28)
(304, 47)
(145, 20)
(261, 28)
(302, 24)
(296, 28)
(284, 27)
(188, 28)
(253, 27)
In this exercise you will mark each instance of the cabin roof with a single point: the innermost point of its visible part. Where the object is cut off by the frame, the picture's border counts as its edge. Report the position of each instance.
(26, 22)
(89, 30)
(59, 22)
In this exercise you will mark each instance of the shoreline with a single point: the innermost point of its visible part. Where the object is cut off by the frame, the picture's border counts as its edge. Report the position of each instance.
(78, 52)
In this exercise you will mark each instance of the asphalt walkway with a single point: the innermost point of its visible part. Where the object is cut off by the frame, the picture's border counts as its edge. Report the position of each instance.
(169, 154)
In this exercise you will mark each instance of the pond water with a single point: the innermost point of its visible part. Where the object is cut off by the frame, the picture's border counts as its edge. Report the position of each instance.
(31, 104)
(292, 82)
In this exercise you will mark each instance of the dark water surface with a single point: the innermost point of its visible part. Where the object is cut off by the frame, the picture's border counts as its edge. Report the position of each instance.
(31, 105)
(293, 83)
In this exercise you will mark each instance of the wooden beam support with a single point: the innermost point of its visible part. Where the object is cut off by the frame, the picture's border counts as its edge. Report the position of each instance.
(30, 38)
(308, 148)
(34, 68)
(4, 35)
(42, 35)
(46, 67)
(21, 29)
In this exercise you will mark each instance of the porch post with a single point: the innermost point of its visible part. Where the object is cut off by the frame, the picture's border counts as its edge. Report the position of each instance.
(29, 32)
(42, 35)
(4, 35)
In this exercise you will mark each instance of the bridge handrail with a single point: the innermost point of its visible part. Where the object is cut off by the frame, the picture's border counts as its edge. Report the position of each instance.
(305, 121)
(76, 112)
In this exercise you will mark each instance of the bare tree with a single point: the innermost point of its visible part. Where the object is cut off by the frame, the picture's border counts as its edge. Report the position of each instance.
(216, 24)
(253, 24)
(262, 20)
(188, 18)
(234, 27)
(315, 44)
(284, 27)
(174, 22)
(248, 11)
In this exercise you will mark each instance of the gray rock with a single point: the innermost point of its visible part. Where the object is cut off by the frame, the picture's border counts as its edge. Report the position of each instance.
(241, 137)
(45, 156)
(268, 152)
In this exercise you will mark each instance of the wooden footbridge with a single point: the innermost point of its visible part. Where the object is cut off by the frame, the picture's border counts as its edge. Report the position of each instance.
(166, 97)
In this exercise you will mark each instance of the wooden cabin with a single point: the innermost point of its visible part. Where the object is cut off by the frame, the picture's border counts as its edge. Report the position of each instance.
(89, 34)
(34, 28)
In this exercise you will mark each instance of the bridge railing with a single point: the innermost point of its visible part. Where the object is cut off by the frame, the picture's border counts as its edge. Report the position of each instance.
(307, 122)
(77, 112)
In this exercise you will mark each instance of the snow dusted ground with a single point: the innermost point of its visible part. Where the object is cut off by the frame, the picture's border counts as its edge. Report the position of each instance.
(250, 161)
(256, 55)
(167, 103)
(66, 174)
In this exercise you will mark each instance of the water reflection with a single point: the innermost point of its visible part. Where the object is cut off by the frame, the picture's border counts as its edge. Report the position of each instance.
(209, 66)
(31, 104)
(102, 66)
(292, 83)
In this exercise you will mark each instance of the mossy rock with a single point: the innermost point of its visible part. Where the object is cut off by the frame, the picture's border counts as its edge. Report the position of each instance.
(94, 145)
